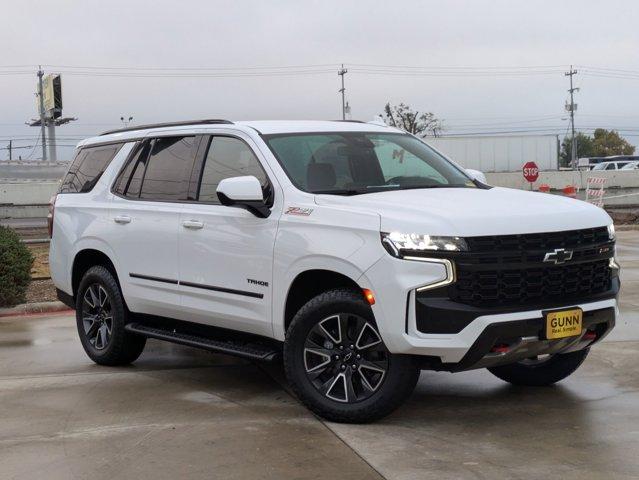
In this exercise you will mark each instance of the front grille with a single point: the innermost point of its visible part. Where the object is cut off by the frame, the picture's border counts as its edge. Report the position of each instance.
(505, 287)
(538, 241)
(504, 271)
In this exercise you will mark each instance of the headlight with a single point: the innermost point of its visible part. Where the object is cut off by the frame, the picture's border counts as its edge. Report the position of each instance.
(611, 231)
(398, 244)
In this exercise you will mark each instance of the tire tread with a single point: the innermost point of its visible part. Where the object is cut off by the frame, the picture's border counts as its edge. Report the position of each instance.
(554, 370)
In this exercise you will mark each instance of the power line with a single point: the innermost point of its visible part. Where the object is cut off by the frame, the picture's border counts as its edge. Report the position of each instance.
(198, 68)
(319, 69)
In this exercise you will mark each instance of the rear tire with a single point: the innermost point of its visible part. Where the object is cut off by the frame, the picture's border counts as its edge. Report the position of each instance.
(338, 365)
(547, 372)
(101, 316)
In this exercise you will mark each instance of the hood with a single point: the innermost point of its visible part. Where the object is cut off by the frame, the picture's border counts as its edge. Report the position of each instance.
(469, 212)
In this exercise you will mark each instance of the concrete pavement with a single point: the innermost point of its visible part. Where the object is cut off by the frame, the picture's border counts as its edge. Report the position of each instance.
(182, 413)
(177, 413)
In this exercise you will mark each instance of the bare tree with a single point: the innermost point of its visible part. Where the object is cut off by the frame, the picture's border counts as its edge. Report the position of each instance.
(422, 125)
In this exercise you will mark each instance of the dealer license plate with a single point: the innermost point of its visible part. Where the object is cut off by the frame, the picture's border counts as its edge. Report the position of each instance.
(564, 323)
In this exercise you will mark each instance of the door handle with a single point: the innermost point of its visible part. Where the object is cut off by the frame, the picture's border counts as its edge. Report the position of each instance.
(122, 219)
(192, 224)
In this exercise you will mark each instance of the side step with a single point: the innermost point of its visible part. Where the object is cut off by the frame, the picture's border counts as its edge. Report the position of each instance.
(245, 349)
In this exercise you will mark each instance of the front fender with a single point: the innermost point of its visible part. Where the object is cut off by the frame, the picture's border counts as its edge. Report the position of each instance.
(330, 239)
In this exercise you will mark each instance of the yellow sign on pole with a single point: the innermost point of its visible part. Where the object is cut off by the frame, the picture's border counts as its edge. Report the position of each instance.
(52, 95)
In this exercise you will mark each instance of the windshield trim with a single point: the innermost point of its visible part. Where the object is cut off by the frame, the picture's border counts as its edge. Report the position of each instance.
(350, 192)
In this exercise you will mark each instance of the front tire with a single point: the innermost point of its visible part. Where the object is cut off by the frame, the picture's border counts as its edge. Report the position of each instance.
(101, 316)
(337, 363)
(538, 372)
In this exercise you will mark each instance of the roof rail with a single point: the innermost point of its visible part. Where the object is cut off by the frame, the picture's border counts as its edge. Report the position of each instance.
(349, 121)
(169, 124)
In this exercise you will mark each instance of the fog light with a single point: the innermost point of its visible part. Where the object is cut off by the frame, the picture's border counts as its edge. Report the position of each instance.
(500, 348)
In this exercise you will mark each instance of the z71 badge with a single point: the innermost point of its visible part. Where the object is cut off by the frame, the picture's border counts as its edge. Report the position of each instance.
(304, 212)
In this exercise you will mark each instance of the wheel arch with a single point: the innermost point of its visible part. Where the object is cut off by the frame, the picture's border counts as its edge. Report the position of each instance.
(87, 258)
(310, 283)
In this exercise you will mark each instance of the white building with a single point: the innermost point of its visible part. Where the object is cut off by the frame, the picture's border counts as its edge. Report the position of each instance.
(506, 153)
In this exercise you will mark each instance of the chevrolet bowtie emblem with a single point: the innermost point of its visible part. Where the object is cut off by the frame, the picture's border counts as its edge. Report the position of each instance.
(560, 255)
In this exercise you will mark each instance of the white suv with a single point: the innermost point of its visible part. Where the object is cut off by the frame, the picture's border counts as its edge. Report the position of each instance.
(354, 250)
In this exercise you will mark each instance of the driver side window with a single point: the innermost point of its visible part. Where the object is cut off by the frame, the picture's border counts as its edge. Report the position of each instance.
(227, 157)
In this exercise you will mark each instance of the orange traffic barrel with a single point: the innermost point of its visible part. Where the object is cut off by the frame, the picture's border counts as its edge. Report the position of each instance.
(570, 191)
(544, 187)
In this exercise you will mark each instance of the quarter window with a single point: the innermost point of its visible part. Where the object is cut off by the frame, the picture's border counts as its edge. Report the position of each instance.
(227, 157)
(87, 168)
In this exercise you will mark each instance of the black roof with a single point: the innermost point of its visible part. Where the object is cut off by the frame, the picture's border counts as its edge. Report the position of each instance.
(169, 124)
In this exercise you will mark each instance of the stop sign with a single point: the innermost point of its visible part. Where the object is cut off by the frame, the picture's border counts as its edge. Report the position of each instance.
(531, 171)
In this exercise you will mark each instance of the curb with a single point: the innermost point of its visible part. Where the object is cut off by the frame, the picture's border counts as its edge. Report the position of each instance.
(30, 308)
(625, 228)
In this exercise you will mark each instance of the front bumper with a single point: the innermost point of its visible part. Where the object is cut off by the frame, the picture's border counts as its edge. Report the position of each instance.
(522, 331)
(507, 342)
(395, 282)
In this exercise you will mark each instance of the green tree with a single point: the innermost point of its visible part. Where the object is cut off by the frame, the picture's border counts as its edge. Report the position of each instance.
(603, 143)
(609, 142)
(584, 148)
(402, 116)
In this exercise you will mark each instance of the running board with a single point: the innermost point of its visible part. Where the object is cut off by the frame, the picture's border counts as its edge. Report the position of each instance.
(249, 350)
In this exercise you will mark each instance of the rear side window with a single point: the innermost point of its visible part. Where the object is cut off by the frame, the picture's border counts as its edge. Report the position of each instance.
(227, 157)
(130, 180)
(159, 170)
(169, 164)
(87, 168)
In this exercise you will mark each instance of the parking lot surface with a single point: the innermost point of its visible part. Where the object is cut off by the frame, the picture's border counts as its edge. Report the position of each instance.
(182, 413)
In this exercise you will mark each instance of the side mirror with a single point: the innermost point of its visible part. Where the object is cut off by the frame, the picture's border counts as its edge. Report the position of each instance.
(477, 175)
(243, 192)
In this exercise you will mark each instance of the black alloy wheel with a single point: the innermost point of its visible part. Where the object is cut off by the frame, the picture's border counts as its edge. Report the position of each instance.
(97, 316)
(337, 363)
(101, 318)
(344, 358)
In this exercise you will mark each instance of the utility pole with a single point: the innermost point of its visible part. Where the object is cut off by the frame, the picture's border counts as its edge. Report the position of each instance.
(571, 108)
(341, 73)
(53, 155)
(51, 117)
(41, 109)
(11, 148)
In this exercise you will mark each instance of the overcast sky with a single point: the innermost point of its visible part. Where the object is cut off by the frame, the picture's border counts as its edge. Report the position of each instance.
(196, 34)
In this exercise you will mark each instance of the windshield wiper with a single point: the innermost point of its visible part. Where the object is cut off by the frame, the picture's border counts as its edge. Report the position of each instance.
(344, 191)
(413, 187)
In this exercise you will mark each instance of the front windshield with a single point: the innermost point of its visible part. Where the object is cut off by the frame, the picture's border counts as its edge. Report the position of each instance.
(351, 163)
